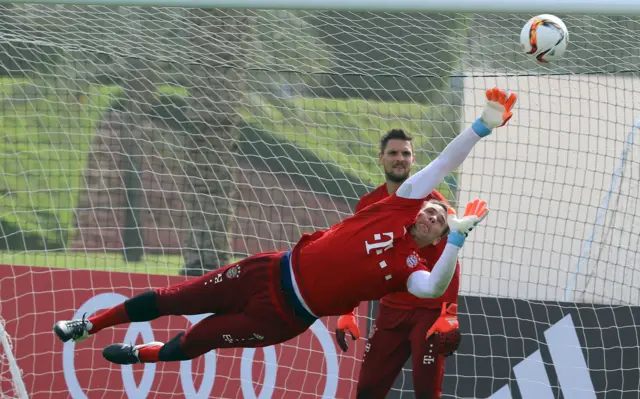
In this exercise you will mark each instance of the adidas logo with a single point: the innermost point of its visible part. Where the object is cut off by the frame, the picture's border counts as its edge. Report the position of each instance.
(569, 363)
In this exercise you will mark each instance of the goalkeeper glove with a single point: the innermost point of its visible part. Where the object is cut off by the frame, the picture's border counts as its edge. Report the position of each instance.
(346, 323)
(445, 332)
(474, 213)
(496, 113)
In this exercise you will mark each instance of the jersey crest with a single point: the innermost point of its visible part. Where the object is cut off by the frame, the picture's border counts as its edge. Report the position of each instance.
(233, 272)
(412, 260)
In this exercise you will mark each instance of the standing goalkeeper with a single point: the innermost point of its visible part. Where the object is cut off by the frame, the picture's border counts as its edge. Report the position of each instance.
(404, 320)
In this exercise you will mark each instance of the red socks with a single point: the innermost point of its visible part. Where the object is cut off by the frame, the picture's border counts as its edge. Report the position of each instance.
(114, 316)
(149, 353)
(118, 315)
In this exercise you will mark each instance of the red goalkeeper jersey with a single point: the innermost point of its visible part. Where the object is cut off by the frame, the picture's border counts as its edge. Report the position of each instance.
(365, 257)
(430, 254)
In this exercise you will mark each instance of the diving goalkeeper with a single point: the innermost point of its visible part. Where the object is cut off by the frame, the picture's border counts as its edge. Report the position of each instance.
(272, 297)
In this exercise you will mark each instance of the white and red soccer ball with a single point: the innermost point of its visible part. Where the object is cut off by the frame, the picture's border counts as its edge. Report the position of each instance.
(544, 38)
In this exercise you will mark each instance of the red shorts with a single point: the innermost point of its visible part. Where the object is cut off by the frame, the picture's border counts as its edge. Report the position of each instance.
(397, 335)
(250, 308)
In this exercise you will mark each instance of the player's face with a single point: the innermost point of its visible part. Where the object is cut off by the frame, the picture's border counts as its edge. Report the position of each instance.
(431, 223)
(397, 160)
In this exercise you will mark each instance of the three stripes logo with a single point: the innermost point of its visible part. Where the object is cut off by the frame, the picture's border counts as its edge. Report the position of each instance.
(568, 361)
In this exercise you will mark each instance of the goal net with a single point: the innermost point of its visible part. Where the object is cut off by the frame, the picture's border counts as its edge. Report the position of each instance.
(11, 384)
(142, 145)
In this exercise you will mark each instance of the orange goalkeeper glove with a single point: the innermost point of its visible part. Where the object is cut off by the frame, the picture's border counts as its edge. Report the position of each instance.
(346, 323)
(445, 332)
(474, 213)
(496, 113)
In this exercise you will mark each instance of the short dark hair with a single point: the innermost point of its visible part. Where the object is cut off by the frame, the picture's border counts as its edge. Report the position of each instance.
(444, 206)
(392, 134)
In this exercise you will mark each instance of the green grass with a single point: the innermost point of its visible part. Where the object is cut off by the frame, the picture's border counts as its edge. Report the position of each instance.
(46, 131)
(112, 262)
(103, 261)
(346, 133)
(44, 143)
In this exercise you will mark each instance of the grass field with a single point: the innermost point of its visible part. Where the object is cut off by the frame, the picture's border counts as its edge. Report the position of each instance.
(112, 262)
(346, 133)
(46, 134)
(44, 143)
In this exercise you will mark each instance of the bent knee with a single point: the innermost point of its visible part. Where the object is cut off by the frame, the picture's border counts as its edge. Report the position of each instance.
(143, 307)
(370, 393)
(372, 388)
(173, 350)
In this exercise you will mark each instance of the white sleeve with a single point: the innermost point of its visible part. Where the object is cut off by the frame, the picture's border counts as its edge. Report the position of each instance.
(426, 180)
(423, 284)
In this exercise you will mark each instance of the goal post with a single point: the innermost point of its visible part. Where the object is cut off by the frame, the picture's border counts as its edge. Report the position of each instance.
(11, 382)
(605, 207)
(145, 141)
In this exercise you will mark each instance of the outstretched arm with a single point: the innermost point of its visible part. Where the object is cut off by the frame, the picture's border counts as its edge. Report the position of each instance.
(424, 284)
(495, 114)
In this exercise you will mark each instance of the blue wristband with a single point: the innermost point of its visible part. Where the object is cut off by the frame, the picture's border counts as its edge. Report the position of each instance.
(480, 128)
(456, 239)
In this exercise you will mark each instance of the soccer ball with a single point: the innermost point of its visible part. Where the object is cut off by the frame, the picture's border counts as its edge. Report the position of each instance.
(544, 38)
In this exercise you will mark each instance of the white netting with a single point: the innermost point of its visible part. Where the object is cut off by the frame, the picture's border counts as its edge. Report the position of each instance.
(569, 164)
(11, 384)
(161, 141)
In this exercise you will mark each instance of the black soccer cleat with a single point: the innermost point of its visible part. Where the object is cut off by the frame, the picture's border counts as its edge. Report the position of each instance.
(76, 330)
(124, 353)
(121, 354)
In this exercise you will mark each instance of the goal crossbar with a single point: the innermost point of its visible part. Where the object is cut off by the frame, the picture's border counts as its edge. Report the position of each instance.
(600, 7)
